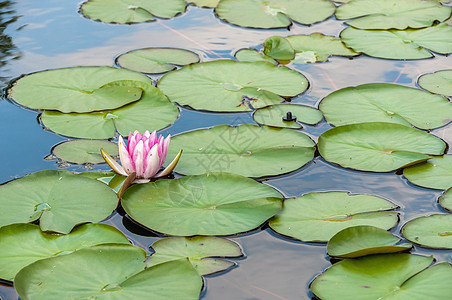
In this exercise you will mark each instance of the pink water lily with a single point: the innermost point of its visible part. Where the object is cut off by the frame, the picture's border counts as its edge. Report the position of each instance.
(143, 156)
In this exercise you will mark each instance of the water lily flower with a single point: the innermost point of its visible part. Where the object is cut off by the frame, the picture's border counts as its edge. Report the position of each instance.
(143, 156)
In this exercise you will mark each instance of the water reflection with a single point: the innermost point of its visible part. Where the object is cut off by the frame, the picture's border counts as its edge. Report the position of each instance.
(8, 50)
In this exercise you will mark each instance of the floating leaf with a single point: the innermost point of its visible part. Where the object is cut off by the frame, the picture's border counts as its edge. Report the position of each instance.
(252, 55)
(59, 199)
(23, 244)
(208, 204)
(439, 82)
(384, 102)
(112, 271)
(445, 200)
(156, 60)
(400, 44)
(430, 231)
(97, 174)
(378, 147)
(247, 150)
(436, 173)
(278, 48)
(392, 14)
(77, 89)
(273, 115)
(319, 216)
(131, 11)
(363, 240)
(204, 3)
(227, 85)
(200, 250)
(385, 276)
(317, 47)
(84, 151)
(273, 13)
(153, 112)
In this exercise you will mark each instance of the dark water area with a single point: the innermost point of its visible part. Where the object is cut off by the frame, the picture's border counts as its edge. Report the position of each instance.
(39, 35)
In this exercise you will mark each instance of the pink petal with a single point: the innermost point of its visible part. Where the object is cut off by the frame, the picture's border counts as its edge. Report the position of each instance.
(125, 158)
(138, 158)
(152, 163)
(153, 138)
(146, 134)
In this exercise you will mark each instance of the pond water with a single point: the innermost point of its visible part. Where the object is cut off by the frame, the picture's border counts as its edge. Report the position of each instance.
(51, 34)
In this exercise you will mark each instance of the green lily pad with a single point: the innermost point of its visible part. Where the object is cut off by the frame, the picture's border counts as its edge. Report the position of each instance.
(131, 11)
(436, 173)
(319, 216)
(392, 14)
(204, 3)
(378, 147)
(439, 82)
(153, 112)
(23, 244)
(400, 44)
(227, 85)
(317, 47)
(156, 60)
(97, 174)
(112, 271)
(200, 250)
(77, 89)
(385, 276)
(208, 204)
(84, 151)
(384, 102)
(59, 199)
(252, 55)
(273, 13)
(431, 231)
(445, 200)
(273, 115)
(248, 150)
(278, 48)
(364, 240)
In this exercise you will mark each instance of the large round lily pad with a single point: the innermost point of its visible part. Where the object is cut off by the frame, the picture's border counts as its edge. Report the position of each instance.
(208, 204)
(78, 89)
(319, 216)
(385, 276)
(204, 3)
(384, 102)
(153, 112)
(113, 271)
(276, 115)
(23, 244)
(317, 46)
(359, 241)
(273, 13)
(84, 151)
(59, 199)
(204, 252)
(430, 231)
(227, 85)
(156, 60)
(131, 11)
(378, 147)
(400, 44)
(439, 82)
(392, 14)
(436, 173)
(248, 150)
